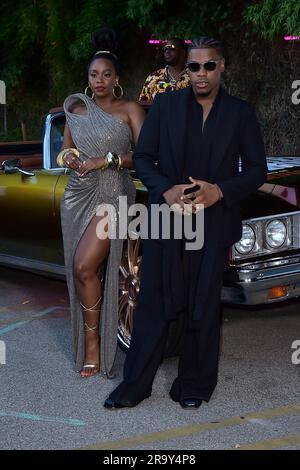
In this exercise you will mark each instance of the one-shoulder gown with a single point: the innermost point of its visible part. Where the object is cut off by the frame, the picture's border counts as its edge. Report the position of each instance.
(94, 134)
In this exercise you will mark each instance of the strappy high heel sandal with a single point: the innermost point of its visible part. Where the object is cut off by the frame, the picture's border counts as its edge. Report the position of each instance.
(94, 368)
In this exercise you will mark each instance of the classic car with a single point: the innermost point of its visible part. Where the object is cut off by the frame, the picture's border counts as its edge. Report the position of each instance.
(263, 267)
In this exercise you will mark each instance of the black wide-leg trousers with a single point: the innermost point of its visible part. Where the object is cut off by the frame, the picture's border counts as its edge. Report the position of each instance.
(199, 352)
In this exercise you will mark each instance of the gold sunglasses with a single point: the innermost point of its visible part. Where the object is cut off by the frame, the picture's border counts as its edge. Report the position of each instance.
(168, 47)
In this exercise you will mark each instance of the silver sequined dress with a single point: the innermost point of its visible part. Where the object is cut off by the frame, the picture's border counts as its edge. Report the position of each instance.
(94, 134)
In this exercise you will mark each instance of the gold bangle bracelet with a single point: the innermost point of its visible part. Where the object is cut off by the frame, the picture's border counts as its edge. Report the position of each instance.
(106, 164)
(59, 161)
(120, 162)
(62, 154)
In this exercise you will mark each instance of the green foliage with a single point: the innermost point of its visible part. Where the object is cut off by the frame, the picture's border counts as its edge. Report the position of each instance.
(45, 47)
(20, 36)
(270, 18)
(273, 18)
(188, 18)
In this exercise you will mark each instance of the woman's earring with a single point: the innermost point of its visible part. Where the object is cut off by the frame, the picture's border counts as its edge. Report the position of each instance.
(85, 92)
(117, 85)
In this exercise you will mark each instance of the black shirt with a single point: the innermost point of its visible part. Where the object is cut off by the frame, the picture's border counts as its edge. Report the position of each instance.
(199, 141)
(198, 144)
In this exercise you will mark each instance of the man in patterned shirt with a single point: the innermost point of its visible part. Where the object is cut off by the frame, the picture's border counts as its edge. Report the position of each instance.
(173, 76)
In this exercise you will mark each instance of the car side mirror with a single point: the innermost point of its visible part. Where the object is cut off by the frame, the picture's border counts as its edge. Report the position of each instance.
(14, 165)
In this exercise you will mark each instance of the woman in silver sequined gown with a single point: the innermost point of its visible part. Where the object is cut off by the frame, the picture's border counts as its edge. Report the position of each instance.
(96, 126)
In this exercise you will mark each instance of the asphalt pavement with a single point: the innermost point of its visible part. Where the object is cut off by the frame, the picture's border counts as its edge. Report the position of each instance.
(45, 404)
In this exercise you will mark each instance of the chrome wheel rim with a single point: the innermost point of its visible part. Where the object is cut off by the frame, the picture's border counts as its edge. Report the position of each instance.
(129, 287)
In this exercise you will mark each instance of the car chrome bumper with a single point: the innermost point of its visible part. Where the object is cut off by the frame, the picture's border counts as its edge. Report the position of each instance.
(253, 281)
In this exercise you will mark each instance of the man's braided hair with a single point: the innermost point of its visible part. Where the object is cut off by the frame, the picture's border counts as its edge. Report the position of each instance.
(206, 42)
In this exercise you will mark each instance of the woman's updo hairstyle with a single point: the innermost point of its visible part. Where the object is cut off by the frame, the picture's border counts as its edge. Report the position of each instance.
(106, 46)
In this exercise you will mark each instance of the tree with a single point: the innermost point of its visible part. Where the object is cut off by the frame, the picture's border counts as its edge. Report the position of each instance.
(270, 18)
(45, 47)
(273, 18)
(187, 18)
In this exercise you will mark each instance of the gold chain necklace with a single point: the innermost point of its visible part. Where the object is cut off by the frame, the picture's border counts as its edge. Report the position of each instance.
(171, 78)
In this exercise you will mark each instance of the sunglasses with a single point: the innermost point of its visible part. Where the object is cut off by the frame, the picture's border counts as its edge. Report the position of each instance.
(168, 47)
(209, 66)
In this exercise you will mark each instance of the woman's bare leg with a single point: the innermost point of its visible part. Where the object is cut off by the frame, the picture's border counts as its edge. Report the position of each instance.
(90, 255)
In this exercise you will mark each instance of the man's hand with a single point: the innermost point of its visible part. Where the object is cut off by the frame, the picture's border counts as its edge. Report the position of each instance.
(93, 163)
(208, 194)
(173, 196)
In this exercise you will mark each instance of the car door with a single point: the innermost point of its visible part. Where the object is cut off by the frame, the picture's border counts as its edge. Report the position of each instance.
(28, 231)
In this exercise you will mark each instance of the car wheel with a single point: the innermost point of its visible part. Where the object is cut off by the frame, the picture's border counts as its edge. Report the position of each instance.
(129, 287)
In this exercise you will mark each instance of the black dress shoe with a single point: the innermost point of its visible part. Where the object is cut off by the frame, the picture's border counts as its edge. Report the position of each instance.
(190, 403)
(111, 404)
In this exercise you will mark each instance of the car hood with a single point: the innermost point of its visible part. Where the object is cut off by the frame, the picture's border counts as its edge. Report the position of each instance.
(280, 194)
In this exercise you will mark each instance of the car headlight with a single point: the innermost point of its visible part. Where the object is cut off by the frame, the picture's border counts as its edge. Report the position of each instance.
(247, 242)
(276, 233)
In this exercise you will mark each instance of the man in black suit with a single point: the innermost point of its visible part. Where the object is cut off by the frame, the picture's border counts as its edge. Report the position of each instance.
(193, 138)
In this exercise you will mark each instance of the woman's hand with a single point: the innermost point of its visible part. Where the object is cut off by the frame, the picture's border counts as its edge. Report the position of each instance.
(71, 161)
(93, 163)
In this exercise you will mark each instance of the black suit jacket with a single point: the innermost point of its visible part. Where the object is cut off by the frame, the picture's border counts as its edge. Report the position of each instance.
(159, 155)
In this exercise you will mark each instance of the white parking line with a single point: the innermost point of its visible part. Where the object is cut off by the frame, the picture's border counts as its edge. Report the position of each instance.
(13, 326)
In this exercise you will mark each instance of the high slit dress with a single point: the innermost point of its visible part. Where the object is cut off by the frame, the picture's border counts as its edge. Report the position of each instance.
(94, 134)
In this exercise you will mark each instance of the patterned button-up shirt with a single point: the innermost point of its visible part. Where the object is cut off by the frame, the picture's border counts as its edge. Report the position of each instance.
(160, 81)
